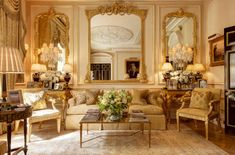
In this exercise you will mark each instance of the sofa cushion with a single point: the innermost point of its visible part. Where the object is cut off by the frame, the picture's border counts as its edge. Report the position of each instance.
(45, 114)
(79, 97)
(148, 109)
(36, 99)
(200, 100)
(154, 98)
(80, 109)
(91, 97)
(139, 96)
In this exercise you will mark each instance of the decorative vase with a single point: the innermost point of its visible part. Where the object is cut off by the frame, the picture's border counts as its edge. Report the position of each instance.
(115, 116)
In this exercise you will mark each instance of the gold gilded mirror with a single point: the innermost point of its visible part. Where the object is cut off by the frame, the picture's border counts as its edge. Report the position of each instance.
(180, 38)
(52, 39)
(116, 44)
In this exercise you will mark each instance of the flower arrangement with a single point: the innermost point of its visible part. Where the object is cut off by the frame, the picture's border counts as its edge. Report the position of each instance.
(114, 102)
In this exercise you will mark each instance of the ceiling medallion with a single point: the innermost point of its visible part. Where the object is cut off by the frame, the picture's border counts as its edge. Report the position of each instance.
(121, 8)
(111, 34)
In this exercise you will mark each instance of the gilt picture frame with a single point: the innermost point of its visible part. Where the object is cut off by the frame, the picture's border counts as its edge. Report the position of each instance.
(132, 67)
(217, 51)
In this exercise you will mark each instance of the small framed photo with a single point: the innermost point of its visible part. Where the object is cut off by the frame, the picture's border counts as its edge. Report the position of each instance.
(217, 51)
(56, 86)
(14, 97)
(172, 84)
(132, 67)
(202, 83)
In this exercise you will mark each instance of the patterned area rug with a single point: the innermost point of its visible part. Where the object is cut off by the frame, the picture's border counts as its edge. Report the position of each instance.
(46, 141)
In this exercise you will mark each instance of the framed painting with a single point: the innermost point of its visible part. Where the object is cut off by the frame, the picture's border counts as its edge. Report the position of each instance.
(217, 51)
(132, 67)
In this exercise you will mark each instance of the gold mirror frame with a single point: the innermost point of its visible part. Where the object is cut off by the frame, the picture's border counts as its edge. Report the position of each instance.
(180, 14)
(117, 8)
(50, 15)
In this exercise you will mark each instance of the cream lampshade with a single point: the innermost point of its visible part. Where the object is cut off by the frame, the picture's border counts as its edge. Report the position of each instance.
(198, 67)
(10, 63)
(167, 67)
(190, 67)
(43, 68)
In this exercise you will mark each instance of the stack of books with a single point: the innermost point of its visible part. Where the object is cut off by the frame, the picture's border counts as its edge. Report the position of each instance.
(137, 116)
(92, 115)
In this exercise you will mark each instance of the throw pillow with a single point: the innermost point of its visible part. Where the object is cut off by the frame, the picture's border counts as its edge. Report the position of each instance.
(154, 98)
(91, 97)
(33, 99)
(200, 100)
(39, 105)
(139, 96)
(79, 96)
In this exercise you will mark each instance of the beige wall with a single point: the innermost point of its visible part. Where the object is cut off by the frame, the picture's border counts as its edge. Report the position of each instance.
(220, 14)
(78, 41)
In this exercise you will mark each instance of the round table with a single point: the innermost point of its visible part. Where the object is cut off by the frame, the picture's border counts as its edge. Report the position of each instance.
(11, 115)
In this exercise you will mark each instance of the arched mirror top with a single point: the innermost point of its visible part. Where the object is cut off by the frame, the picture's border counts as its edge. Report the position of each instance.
(180, 34)
(116, 41)
(52, 34)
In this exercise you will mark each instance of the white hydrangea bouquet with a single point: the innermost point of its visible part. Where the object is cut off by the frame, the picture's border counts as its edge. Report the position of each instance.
(114, 102)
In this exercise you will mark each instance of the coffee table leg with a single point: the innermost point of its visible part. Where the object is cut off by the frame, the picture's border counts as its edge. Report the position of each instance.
(149, 134)
(9, 138)
(80, 135)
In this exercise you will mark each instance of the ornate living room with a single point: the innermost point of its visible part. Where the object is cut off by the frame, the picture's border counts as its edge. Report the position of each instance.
(141, 77)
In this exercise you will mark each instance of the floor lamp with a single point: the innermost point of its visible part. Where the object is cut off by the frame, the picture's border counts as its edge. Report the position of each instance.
(10, 63)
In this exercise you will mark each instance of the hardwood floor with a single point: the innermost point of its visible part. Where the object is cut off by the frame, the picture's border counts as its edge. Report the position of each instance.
(224, 141)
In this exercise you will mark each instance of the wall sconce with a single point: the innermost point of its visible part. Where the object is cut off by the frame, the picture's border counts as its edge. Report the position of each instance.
(67, 69)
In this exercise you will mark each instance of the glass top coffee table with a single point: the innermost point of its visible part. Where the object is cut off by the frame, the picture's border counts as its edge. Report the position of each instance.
(103, 119)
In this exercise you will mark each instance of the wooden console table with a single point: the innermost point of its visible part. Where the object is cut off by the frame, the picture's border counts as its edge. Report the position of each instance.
(63, 95)
(172, 100)
(9, 116)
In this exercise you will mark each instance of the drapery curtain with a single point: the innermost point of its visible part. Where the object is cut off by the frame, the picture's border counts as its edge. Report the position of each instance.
(12, 31)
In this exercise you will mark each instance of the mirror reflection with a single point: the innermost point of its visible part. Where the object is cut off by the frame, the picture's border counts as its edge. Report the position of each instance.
(52, 39)
(115, 47)
(180, 38)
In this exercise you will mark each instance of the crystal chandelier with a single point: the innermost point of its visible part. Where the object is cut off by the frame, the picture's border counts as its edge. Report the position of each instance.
(50, 55)
(181, 56)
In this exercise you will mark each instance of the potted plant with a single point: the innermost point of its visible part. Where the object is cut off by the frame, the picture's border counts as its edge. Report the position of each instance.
(114, 102)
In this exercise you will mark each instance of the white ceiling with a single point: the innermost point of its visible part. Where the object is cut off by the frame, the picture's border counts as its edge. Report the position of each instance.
(115, 31)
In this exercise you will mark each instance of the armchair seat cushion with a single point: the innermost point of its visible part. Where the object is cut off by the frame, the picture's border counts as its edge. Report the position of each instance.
(195, 113)
(147, 109)
(46, 114)
(80, 109)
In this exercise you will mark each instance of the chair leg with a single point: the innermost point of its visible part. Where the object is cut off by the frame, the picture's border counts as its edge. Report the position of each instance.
(17, 123)
(29, 131)
(178, 122)
(58, 124)
(219, 124)
(206, 128)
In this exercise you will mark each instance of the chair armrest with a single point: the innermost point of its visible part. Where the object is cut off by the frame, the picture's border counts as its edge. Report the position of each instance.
(71, 102)
(214, 105)
(185, 103)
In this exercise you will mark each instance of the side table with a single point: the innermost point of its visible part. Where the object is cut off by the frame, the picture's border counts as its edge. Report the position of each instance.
(9, 116)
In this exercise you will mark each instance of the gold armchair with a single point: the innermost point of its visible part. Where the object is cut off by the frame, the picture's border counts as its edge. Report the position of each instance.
(203, 105)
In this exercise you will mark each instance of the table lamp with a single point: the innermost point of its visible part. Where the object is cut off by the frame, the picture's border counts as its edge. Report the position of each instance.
(36, 68)
(166, 68)
(10, 63)
(67, 69)
(199, 68)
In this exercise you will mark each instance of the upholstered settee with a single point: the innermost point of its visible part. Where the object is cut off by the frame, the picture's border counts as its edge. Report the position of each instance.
(149, 101)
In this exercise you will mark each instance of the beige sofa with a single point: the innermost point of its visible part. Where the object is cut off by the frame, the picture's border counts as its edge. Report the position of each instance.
(149, 101)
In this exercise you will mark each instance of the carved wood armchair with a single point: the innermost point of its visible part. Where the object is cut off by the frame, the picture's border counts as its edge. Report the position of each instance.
(203, 104)
(42, 110)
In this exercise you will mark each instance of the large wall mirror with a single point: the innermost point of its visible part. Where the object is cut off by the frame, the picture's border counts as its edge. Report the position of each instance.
(180, 38)
(52, 39)
(116, 44)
